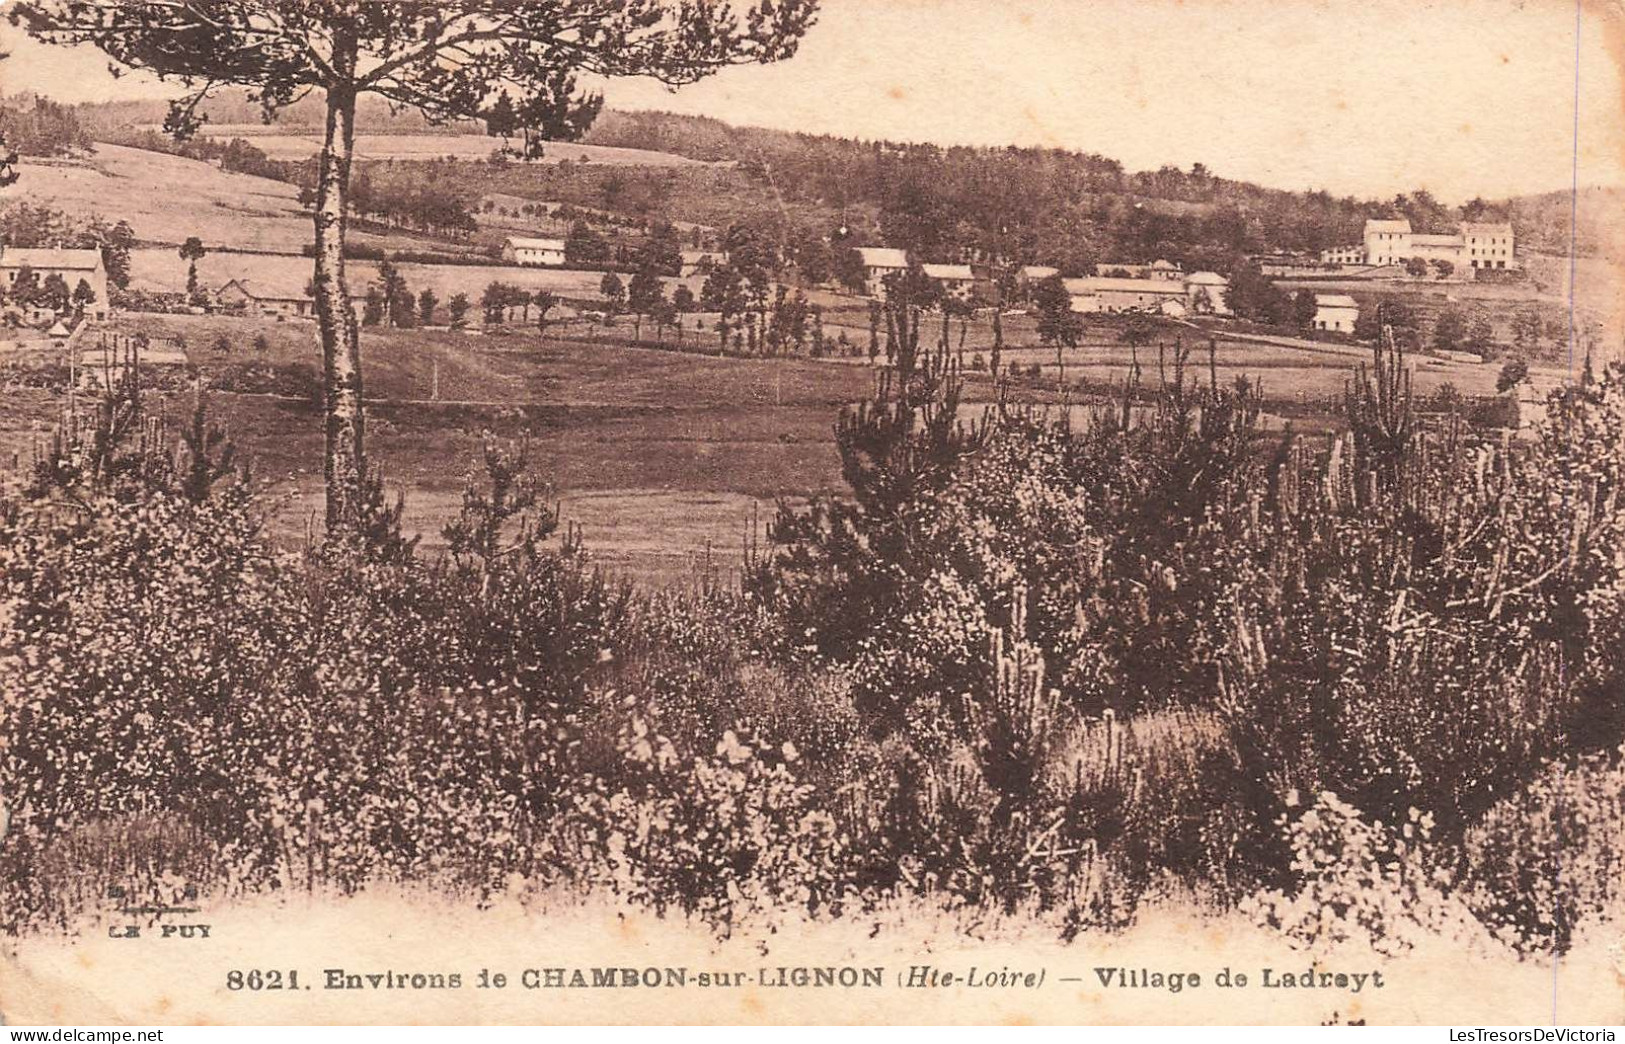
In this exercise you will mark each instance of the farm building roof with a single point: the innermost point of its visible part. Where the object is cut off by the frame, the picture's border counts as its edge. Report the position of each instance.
(267, 289)
(1387, 225)
(48, 257)
(948, 271)
(1207, 279)
(1038, 271)
(1109, 284)
(1164, 265)
(1335, 301)
(528, 243)
(883, 257)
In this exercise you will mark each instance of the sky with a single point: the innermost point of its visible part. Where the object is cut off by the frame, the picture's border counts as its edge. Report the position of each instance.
(1359, 97)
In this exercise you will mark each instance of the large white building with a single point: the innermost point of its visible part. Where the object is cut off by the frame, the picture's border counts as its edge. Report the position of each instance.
(1479, 246)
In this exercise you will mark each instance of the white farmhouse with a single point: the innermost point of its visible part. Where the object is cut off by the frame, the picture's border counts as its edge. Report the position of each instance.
(955, 280)
(519, 250)
(74, 266)
(1114, 294)
(1336, 313)
(878, 263)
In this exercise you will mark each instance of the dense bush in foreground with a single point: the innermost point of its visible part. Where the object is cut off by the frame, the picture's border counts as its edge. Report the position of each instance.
(1028, 665)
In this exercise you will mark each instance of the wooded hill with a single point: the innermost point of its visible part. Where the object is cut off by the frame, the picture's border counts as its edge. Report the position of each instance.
(1052, 206)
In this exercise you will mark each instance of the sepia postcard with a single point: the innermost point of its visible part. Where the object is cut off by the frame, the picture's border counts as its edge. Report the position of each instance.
(812, 511)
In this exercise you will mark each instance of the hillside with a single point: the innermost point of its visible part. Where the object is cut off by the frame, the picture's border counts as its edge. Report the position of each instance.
(373, 114)
(168, 198)
(1069, 208)
(294, 142)
(1543, 221)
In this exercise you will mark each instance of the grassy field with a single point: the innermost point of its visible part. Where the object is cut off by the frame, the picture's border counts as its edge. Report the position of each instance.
(168, 198)
(662, 457)
(163, 270)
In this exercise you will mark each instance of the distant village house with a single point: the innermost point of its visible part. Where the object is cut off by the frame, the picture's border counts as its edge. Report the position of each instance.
(955, 280)
(878, 263)
(73, 266)
(1336, 313)
(271, 298)
(256, 297)
(537, 253)
(1200, 292)
(700, 262)
(1159, 269)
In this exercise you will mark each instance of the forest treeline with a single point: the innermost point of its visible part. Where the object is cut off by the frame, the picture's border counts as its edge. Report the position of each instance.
(1065, 207)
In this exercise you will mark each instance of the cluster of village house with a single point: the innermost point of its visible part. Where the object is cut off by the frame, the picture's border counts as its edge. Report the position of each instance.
(1159, 287)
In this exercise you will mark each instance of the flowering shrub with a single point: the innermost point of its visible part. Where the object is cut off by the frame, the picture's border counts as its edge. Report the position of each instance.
(706, 833)
(1356, 880)
(1546, 859)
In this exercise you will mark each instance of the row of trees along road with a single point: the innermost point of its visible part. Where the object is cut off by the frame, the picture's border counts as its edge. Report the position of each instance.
(450, 59)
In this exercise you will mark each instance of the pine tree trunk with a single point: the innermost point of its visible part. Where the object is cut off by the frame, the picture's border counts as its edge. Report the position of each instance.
(998, 336)
(341, 341)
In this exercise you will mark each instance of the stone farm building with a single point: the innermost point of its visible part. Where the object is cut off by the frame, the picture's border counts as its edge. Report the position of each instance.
(1201, 292)
(878, 263)
(273, 298)
(1336, 312)
(956, 280)
(519, 250)
(73, 266)
(1478, 246)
